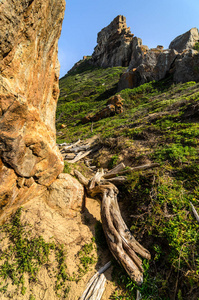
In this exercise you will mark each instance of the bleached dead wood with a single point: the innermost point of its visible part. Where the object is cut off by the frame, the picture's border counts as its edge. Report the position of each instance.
(69, 146)
(79, 156)
(130, 170)
(95, 286)
(121, 243)
(195, 212)
(116, 180)
(96, 179)
(82, 179)
(77, 149)
(117, 169)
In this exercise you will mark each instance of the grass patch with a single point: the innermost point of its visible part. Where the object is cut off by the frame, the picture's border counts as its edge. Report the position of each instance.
(25, 255)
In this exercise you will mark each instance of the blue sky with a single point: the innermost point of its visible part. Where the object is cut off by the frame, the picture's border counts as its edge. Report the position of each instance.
(155, 22)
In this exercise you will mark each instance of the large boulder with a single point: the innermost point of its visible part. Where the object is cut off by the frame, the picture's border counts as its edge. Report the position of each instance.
(185, 41)
(29, 73)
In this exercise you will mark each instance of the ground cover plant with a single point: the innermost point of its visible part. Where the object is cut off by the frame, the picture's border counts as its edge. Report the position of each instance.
(159, 124)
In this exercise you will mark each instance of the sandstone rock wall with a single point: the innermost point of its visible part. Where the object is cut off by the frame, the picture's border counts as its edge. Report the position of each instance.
(29, 74)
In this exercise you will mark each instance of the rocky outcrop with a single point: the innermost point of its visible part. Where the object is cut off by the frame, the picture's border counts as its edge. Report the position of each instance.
(113, 106)
(185, 41)
(114, 44)
(155, 64)
(29, 74)
(117, 46)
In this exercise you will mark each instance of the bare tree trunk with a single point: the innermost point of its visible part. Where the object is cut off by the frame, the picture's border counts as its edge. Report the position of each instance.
(121, 242)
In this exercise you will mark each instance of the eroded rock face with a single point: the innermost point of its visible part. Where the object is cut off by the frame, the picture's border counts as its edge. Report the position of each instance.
(187, 66)
(114, 44)
(29, 74)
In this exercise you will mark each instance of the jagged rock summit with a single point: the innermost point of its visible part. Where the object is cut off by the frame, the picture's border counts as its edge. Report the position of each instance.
(114, 44)
(117, 46)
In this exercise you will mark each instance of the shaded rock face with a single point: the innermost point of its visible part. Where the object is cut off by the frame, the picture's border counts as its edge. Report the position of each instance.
(29, 74)
(187, 66)
(114, 44)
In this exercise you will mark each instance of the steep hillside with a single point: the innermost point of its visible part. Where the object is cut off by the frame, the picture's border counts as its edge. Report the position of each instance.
(159, 124)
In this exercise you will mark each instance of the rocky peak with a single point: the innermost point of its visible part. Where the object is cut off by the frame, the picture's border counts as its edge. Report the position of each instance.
(113, 48)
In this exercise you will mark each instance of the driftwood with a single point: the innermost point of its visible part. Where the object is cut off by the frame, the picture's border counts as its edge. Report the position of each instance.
(121, 243)
(96, 285)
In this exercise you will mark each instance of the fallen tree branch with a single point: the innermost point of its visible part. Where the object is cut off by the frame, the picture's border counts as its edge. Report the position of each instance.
(195, 212)
(79, 156)
(95, 286)
(117, 169)
(130, 170)
(68, 146)
(77, 149)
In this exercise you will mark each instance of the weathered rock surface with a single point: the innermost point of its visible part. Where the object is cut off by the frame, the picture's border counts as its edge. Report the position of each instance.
(185, 41)
(29, 74)
(114, 44)
(187, 66)
(113, 106)
(66, 195)
(155, 64)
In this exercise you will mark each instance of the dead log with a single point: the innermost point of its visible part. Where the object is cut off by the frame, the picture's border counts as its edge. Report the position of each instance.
(121, 243)
(130, 170)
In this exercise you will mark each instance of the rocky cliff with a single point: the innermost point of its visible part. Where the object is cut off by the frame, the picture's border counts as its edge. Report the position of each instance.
(29, 72)
(117, 46)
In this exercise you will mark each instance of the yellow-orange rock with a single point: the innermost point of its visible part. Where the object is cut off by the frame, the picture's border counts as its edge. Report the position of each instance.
(29, 74)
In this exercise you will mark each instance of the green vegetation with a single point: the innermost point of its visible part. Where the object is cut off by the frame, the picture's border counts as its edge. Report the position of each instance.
(196, 47)
(84, 91)
(25, 255)
(159, 124)
(86, 258)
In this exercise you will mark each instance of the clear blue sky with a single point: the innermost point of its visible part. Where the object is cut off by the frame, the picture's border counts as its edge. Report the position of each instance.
(155, 22)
